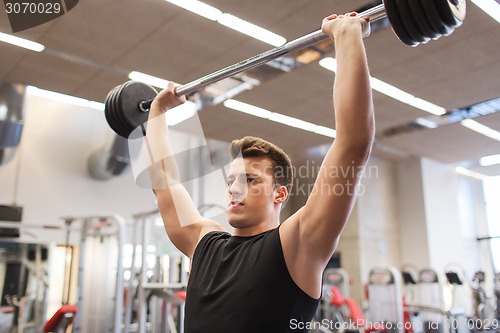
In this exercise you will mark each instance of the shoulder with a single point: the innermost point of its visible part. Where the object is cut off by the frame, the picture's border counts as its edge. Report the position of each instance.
(210, 239)
(215, 235)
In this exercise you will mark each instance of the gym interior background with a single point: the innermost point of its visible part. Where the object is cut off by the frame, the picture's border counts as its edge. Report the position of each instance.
(430, 191)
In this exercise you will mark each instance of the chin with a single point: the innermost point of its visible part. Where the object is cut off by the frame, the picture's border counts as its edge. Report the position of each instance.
(237, 222)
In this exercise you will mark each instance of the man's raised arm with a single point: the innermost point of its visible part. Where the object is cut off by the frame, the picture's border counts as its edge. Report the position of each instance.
(324, 215)
(183, 223)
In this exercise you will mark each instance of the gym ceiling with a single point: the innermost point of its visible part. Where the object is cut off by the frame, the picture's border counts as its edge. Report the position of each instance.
(93, 47)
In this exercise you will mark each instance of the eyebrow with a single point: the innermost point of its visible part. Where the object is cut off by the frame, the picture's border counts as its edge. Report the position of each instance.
(252, 175)
(246, 175)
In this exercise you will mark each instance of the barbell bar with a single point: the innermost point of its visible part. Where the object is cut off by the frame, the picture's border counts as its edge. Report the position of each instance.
(413, 21)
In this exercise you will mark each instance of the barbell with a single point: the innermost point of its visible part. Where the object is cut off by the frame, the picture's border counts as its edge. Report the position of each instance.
(413, 21)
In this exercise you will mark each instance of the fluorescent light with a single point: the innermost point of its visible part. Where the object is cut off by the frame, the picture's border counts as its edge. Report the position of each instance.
(402, 96)
(180, 113)
(326, 131)
(173, 116)
(489, 160)
(293, 122)
(96, 106)
(27, 44)
(490, 7)
(63, 98)
(329, 63)
(199, 8)
(251, 30)
(230, 21)
(279, 118)
(148, 79)
(469, 173)
(391, 91)
(481, 129)
(427, 106)
(247, 108)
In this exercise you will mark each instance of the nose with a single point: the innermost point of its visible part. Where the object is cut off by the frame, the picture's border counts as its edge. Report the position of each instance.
(237, 187)
(234, 187)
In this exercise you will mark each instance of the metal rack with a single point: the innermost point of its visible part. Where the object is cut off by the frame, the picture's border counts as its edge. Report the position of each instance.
(155, 286)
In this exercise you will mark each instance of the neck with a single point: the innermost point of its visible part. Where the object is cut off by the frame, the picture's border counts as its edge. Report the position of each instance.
(257, 229)
(247, 232)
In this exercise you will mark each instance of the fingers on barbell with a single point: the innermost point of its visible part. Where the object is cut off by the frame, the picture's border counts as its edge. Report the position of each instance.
(334, 16)
(331, 17)
(365, 25)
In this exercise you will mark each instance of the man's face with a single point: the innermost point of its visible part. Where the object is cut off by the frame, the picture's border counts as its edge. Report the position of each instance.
(251, 191)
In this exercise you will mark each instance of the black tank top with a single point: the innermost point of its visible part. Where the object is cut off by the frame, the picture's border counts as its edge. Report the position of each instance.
(241, 284)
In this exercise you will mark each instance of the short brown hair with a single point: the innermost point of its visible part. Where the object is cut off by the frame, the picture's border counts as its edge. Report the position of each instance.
(251, 146)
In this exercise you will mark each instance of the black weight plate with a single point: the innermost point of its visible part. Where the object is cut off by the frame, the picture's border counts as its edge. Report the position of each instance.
(130, 108)
(396, 24)
(131, 95)
(434, 19)
(119, 112)
(452, 15)
(108, 110)
(417, 12)
(121, 128)
(409, 22)
(114, 112)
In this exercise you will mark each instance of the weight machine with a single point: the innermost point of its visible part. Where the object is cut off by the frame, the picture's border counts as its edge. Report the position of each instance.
(156, 290)
(100, 273)
(24, 270)
(430, 308)
(385, 300)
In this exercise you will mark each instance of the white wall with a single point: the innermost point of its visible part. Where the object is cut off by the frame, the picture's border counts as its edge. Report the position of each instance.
(411, 214)
(471, 210)
(350, 255)
(442, 214)
(378, 226)
(53, 179)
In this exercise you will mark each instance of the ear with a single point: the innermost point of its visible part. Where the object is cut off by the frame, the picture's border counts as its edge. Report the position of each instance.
(281, 195)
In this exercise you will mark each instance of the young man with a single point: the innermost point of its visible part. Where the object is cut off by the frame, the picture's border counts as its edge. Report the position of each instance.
(267, 277)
